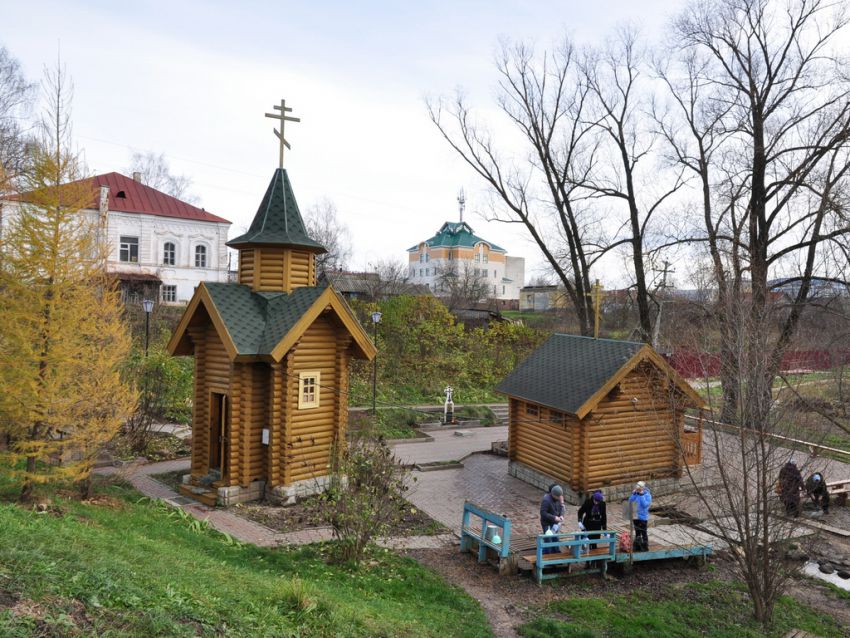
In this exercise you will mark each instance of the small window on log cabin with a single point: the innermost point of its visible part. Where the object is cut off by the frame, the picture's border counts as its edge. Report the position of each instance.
(532, 410)
(614, 393)
(556, 418)
(308, 390)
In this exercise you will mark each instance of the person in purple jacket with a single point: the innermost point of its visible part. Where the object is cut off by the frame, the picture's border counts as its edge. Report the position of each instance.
(643, 498)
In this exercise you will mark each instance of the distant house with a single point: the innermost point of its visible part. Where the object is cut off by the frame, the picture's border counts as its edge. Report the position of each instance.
(542, 298)
(456, 251)
(159, 246)
(369, 285)
(597, 413)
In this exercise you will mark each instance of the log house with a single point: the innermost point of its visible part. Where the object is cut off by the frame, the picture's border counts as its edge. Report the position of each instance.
(272, 356)
(598, 413)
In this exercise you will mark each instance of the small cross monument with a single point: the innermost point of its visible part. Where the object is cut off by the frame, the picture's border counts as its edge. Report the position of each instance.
(284, 118)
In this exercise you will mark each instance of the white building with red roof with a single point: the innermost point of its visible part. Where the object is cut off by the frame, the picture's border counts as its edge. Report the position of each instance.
(160, 247)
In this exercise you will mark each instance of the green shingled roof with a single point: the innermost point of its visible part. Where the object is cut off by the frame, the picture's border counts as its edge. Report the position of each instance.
(567, 370)
(278, 221)
(258, 321)
(456, 234)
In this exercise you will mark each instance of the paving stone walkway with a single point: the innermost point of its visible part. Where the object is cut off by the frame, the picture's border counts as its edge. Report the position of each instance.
(242, 529)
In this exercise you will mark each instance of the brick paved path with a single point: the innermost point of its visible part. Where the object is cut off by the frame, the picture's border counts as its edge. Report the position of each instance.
(241, 528)
(446, 446)
(484, 480)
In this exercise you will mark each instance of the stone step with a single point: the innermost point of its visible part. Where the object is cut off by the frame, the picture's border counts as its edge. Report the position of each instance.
(207, 497)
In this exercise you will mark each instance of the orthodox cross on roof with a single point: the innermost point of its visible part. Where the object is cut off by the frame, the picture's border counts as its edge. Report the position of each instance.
(284, 118)
(461, 201)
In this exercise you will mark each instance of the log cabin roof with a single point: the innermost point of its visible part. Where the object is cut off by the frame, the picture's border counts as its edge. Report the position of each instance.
(573, 374)
(265, 324)
(278, 221)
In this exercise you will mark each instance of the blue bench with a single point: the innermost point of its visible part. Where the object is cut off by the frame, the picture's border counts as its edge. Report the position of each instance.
(568, 551)
(473, 537)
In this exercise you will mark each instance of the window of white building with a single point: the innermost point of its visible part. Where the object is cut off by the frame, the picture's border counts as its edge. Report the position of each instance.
(200, 256)
(169, 253)
(128, 249)
(169, 294)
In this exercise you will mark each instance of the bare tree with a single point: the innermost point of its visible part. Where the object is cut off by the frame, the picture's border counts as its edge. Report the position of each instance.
(390, 280)
(545, 99)
(627, 173)
(16, 99)
(736, 483)
(156, 173)
(762, 115)
(461, 287)
(325, 227)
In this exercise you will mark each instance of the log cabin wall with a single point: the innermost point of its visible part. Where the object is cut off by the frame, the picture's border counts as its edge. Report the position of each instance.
(275, 454)
(246, 267)
(212, 374)
(249, 415)
(278, 269)
(543, 439)
(256, 456)
(630, 440)
(302, 270)
(310, 433)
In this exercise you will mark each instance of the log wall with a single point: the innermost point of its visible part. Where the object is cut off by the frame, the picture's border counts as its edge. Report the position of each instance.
(212, 374)
(246, 267)
(311, 432)
(282, 269)
(545, 441)
(630, 440)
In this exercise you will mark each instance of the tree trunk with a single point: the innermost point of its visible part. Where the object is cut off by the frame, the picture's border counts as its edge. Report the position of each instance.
(27, 489)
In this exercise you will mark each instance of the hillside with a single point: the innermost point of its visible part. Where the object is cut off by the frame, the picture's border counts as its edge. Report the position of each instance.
(124, 565)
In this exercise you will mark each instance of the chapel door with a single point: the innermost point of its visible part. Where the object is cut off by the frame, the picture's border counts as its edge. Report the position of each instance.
(219, 432)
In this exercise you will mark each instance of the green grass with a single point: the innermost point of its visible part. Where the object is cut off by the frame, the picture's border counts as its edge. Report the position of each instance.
(478, 412)
(716, 609)
(132, 567)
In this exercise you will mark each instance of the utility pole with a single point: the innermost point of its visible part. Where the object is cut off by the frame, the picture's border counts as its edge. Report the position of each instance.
(596, 295)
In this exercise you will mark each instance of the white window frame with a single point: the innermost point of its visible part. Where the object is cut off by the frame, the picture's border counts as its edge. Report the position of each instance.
(173, 244)
(128, 245)
(206, 254)
(309, 389)
(168, 293)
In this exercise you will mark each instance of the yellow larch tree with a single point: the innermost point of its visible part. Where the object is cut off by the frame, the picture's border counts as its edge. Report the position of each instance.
(62, 335)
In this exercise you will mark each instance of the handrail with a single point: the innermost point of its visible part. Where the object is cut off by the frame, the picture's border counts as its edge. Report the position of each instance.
(486, 517)
(779, 437)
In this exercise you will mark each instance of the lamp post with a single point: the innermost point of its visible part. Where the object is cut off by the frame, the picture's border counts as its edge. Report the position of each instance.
(376, 319)
(147, 304)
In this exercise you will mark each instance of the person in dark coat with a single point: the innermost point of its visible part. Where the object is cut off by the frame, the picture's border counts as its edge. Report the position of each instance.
(817, 491)
(790, 483)
(593, 515)
(552, 512)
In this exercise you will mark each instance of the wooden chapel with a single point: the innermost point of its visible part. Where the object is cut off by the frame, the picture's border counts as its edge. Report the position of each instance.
(272, 356)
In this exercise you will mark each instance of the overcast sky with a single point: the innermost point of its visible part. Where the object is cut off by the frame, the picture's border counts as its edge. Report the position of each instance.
(193, 80)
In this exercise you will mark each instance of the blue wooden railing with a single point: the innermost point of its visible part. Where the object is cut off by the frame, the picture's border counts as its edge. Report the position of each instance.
(567, 548)
(468, 534)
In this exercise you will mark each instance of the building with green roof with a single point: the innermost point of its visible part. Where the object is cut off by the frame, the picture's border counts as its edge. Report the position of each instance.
(456, 254)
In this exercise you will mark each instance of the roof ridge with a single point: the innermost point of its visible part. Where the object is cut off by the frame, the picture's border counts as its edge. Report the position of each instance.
(566, 334)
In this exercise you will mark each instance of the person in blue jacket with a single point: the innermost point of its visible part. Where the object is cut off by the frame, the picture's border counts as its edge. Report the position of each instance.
(643, 498)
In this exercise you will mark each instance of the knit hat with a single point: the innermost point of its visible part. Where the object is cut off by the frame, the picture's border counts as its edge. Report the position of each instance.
(557, 490)
(640, 485)
(598, 496)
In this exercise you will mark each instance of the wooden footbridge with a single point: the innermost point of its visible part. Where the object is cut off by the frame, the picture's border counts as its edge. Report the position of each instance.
(491, 537)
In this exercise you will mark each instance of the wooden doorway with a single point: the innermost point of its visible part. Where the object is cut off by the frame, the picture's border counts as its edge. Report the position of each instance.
(219, 432)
